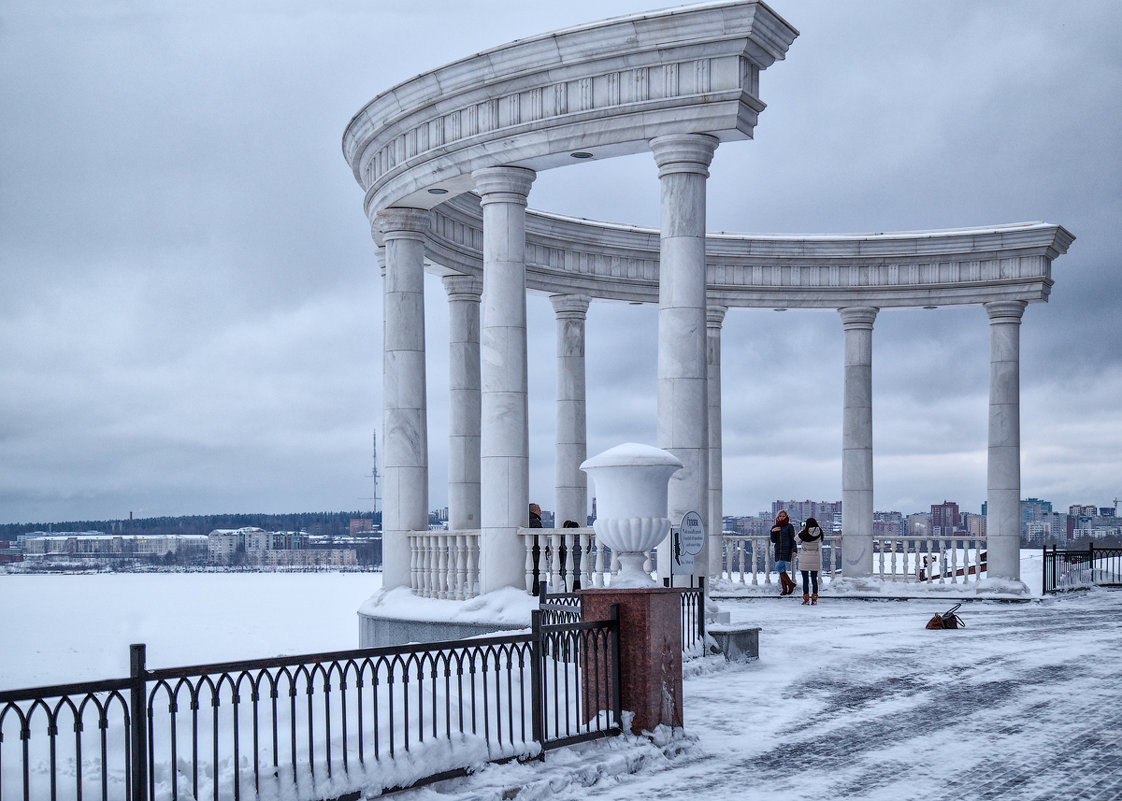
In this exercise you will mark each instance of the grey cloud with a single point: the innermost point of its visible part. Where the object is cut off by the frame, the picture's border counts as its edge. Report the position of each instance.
(189, 294)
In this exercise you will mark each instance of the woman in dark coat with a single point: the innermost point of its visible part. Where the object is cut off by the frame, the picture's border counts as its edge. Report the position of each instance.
(783, 535)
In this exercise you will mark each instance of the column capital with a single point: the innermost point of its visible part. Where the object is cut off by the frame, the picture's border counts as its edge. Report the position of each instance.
(858, 317)
(463, 287)
(689, 153)
(571, 306)
(715, 316)
(402, 223)
(1005, 311)
(503, 184)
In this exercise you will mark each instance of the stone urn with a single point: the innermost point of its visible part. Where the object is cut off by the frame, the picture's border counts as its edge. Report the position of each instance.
(631, 487)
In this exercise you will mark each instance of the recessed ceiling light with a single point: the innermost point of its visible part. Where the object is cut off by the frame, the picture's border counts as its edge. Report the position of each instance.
(581, 154)
(779, 310)
(930, 307)
(438, 191)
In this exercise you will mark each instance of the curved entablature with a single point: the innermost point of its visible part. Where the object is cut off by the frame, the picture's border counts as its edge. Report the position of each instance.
(608, 89)
(604, 89)
(566, 255)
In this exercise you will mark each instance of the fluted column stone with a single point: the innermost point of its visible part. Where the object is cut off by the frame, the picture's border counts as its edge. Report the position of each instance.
(714, 320)
(857, 442)
(405, 474)
(504, 433)
(683, 425)
(1003, 497)
(570, 482)
(464, 293)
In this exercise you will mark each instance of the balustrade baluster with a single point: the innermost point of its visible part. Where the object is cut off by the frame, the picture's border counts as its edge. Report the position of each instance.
(954, 563)
(472, 584)
(568, 564)
(555, 562)
(930, 561)
(461, 566)
(414, 563)
(598, 565)
(447, 566)
(892, 561)
(585, 560)
(430, 566)
(528, 544)
(943, 543)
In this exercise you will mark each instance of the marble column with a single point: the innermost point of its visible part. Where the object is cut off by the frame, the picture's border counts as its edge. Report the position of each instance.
(714, 319)
(504, 446)
(405, 471)
(464, 293)
(1003, 498)
(570, 482)
(857, 442)
(683, 424)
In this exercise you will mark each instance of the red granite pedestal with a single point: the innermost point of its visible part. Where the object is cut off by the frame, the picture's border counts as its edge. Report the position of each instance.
(650, 652)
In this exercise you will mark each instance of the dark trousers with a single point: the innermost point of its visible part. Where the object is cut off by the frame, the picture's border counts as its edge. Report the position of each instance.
(813, 576)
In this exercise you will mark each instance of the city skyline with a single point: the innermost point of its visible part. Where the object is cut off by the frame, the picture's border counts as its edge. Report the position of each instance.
(193, 307)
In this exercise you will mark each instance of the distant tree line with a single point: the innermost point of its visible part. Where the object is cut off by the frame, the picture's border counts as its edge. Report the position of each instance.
(331, 524)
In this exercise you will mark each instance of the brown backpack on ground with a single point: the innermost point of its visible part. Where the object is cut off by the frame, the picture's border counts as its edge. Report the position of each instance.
(947, 620)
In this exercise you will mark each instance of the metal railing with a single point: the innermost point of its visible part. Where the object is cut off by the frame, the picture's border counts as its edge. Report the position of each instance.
(564, 607)
(930, 560)
(1076, 570)
(312, 726)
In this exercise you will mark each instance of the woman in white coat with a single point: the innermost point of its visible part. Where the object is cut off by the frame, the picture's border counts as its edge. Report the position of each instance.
(810, 558)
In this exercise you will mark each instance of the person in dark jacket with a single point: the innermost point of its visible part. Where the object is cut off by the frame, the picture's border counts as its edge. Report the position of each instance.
(783, 535)
(810, 560)
(535, 521)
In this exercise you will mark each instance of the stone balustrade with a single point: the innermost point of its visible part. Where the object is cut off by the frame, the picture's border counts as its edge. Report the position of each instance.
(444, 564)
(569, 555)
(930, 560)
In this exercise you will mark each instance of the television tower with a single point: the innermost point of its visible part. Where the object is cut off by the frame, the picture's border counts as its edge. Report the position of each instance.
(374, 472)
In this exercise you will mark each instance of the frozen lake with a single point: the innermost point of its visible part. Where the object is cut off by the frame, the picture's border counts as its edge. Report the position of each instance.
(64, 628)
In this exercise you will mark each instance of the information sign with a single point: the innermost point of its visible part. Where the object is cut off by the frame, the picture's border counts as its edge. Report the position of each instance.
(692, 533)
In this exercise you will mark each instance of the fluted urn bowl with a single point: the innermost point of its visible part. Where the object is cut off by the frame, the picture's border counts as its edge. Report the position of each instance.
(631, 490)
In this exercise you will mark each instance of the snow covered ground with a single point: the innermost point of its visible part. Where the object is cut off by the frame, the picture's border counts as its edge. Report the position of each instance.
(855, 699)
(849, 699)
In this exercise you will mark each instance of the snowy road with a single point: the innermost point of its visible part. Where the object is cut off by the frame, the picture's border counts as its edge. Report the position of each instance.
(855, 699)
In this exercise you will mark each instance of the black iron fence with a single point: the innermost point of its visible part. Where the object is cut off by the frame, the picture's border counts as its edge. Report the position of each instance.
(314, 726)
(564, 607)
(1073, 570)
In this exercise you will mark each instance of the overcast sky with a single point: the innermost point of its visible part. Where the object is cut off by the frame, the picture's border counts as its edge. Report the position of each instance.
(191, 310)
